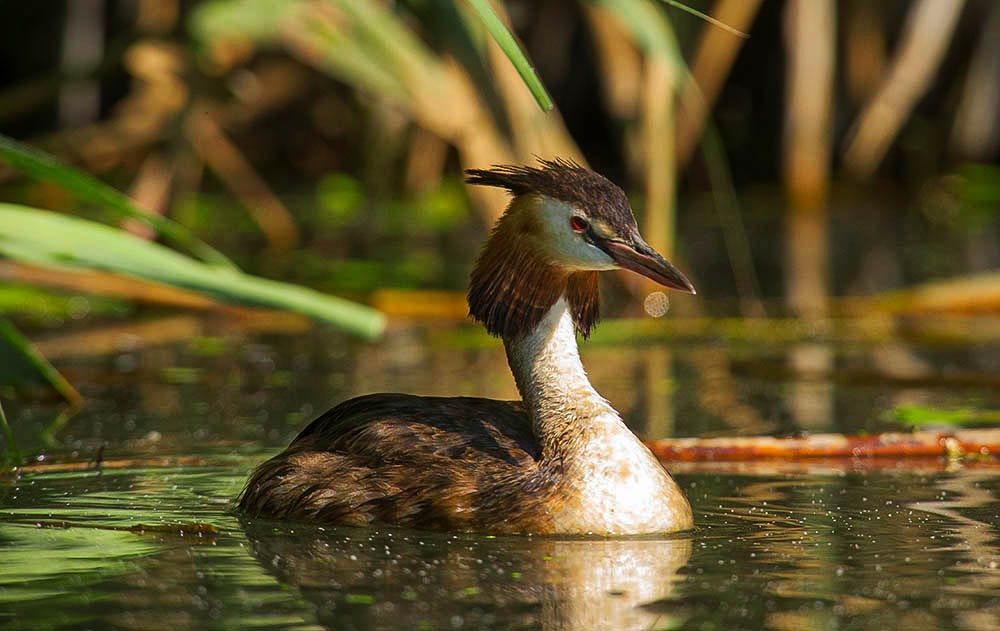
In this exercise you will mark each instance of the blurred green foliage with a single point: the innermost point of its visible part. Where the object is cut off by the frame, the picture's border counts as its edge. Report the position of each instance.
(923, 416)
(42, 307)
(340, 198)
(979, 195)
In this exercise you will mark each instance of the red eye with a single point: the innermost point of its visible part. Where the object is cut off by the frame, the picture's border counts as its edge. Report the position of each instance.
(578, 223)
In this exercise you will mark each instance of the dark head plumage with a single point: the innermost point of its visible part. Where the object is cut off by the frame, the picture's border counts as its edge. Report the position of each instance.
(566, 181)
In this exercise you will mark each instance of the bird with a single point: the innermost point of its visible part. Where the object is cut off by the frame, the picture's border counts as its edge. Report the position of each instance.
(559, 461)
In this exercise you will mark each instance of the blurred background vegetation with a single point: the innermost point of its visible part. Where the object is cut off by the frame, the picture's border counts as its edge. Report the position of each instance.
(830, 163)
(827, 176)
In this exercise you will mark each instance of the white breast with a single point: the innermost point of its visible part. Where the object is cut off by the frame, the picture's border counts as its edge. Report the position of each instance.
(619, 487)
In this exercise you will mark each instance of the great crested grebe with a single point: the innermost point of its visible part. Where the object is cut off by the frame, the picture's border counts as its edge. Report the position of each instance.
(561, 461)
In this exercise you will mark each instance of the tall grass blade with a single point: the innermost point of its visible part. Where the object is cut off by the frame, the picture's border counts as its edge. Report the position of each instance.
(52, 240)
(649, 27)
(509, 46)
(41, 166)
(706, 17)
(15, 453)
(25, 365)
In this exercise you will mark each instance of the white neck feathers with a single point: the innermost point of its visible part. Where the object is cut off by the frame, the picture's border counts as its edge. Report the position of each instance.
(551, 379)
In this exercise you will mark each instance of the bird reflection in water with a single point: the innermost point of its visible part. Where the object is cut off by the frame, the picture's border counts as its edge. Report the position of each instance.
(382, 579)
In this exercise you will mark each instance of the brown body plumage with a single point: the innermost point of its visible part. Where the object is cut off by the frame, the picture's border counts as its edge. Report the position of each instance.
(432, 463)
(561, 461)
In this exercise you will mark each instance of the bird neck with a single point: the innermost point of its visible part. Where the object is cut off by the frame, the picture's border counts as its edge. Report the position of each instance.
(608, 481)
(563, 406)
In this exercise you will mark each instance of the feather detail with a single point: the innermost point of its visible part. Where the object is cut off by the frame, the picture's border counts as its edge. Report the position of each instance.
(566, 181)
(584, 298)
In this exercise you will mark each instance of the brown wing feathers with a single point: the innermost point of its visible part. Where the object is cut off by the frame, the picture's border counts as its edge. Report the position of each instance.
(423, 462)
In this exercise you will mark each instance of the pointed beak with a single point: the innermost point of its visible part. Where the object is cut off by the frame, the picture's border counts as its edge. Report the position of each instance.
(640, 258)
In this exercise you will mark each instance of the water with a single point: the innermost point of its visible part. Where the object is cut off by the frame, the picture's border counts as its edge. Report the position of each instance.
(147, 543)
(866, 551)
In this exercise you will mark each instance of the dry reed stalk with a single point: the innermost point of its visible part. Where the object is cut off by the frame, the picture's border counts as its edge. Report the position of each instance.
(114, 338)
(421, 304)
(830, 466)
(150, 191)
(223, 157)
(425, 161)
(929, 28)
(434, 91)
(969, 294)
(659, 78)
(810, 30)
(137, 336)
(810, 33)
(105, 284)
(713, 58)
(976, 133)
(133, 463)
(475, 135)
(108, 284)
(619, 60)
(864, 50)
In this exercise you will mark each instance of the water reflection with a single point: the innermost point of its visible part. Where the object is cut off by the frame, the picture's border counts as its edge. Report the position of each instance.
(865, 551)
(969, 503)
(374, 579)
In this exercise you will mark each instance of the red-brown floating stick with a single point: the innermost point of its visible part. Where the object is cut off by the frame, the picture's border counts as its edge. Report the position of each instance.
(890, 444)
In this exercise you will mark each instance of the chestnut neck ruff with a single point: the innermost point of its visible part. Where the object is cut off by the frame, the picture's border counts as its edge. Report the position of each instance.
(512, 286)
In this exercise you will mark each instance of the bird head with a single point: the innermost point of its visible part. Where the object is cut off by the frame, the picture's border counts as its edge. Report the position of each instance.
(564, 224)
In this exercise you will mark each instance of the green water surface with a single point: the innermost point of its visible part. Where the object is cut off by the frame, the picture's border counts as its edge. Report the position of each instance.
(146, 543)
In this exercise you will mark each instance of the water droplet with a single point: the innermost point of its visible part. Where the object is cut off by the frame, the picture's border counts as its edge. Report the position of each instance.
(657, 304)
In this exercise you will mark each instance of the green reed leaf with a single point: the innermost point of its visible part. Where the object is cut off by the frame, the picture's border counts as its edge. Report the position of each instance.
(50, 239)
